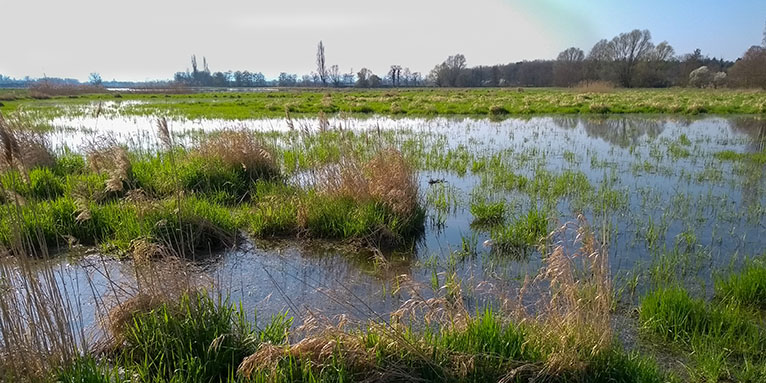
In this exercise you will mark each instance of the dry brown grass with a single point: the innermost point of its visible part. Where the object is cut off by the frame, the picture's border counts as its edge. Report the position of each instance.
(113, 160)
(156, 283)
(21, 148)
(387, 178)
(323, 339)
(393, 181)
(240, 148)
(44, 89)
(37, 322)
(597, 86)
(573, 311)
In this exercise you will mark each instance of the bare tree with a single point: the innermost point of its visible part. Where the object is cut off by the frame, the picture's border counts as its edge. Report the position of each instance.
(601, 51)
(407, 75)
(447, 73)
(321, 66)
(194, 63)
(95, 79)
(395, 74)
(363, 78)
(205, 68)
(571, 54)
(334, 75)
(598, 62)
(663, 52)
(629, 49)
(568, 68)
(764, 36)
(750, 70)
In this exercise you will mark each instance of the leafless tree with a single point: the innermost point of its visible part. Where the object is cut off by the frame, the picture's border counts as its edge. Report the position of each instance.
(663, 52)
(363, 78)
(629, 49)
(568, 69)
(407, 76)
(764, 36)
(395, 74)
(447, 73)
(321, 65)
(750, 70)
(334, 75)
(194, 63)
(571, 54)
(601, 51)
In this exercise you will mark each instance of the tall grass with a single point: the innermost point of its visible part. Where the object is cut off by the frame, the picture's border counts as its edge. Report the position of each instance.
(726, 341)
(37, 323)
(747, 287)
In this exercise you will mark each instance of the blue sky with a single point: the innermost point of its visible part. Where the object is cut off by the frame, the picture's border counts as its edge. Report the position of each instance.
(720, 28)
(151, 39)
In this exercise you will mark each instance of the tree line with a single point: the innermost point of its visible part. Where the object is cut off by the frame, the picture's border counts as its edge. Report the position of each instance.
(630, 60)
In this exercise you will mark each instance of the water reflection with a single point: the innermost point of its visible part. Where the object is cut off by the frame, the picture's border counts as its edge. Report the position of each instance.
(619, 131)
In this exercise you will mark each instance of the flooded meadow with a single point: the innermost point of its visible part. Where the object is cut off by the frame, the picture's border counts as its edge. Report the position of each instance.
(670, 200)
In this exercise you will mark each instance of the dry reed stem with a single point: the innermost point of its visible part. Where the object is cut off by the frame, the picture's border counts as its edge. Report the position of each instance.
(576, 316)
(112, 159)
(163, 131)
(387, 178)
(323, 338)
(240, 148)
(156, 283)
(21, 148)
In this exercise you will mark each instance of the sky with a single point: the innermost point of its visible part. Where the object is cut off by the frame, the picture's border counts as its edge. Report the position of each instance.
(152, 39)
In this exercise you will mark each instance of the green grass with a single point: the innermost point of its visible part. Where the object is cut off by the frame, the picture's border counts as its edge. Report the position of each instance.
(188, 203)
(747, 287)
(194, 340)
(730, 155)
(488, 213)
(726, 341)
(521, 234)
(413, 102)
(204, 339)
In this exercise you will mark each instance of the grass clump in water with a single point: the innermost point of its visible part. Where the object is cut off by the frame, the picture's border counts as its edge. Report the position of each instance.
(521, 234)
(488, 213)
(730, 155)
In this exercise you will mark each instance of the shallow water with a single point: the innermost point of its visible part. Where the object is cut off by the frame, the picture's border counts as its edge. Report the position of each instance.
(705, 212)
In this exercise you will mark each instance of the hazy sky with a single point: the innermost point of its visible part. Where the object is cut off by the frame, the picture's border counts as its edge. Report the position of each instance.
(143, 39)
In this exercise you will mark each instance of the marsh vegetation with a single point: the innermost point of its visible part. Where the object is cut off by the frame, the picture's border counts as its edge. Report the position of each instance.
(140, 237)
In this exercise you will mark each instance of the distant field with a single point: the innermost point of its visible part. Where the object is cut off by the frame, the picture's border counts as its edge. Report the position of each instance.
(410, 102)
